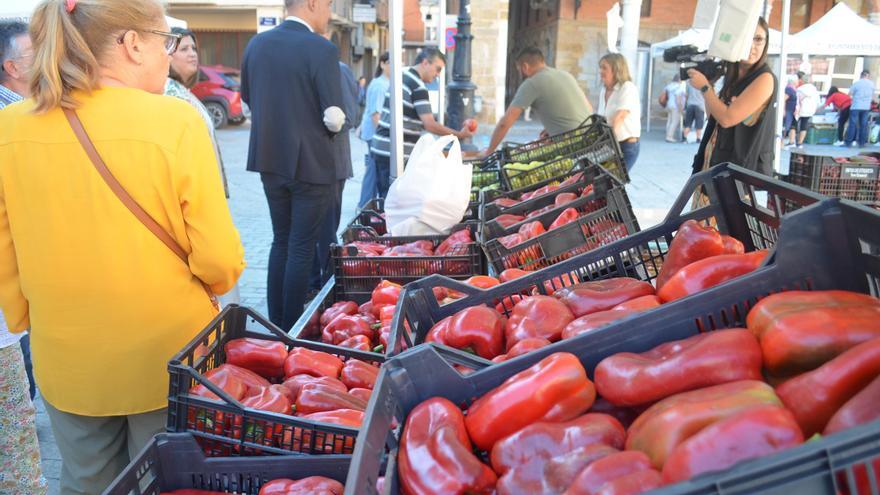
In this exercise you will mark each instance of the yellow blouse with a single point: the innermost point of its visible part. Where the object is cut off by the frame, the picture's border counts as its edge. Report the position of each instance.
(108, 303)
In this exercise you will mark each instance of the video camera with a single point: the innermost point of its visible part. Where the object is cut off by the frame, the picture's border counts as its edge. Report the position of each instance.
(690, 57)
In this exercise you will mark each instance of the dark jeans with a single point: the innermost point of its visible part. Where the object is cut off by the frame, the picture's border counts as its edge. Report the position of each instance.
(28, 364)
(858, 127)
(383, 174)
(368, 186)
(321, 268)
(297, 210)
(842, 119)
(630, 153)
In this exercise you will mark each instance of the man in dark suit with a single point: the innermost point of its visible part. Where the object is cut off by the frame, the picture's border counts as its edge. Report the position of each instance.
(290, 79)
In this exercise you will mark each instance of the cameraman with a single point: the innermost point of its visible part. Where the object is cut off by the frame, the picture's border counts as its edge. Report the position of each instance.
(743, 117)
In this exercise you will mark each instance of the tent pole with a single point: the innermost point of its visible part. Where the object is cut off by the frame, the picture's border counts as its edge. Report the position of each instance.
(650, 87)
(395, 32)
(780, 91)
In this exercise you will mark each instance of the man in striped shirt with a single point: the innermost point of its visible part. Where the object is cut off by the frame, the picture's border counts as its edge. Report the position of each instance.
(417, 116)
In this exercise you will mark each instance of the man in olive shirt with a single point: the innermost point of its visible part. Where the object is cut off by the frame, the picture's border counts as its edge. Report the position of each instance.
(553, 93)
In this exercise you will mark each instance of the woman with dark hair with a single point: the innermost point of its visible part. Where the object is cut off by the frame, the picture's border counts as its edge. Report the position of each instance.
(376, 91)
(841, 103)
(620, 104)
(742, 117)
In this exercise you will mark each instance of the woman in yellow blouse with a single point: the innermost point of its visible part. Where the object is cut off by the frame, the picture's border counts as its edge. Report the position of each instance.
(107, 302)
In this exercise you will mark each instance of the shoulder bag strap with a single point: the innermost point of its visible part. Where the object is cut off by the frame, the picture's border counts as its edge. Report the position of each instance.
(126, 199)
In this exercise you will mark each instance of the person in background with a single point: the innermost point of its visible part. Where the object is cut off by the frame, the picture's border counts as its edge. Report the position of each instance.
(553, 93)
(842, 103)
(671, 100)
(789, 122)
(695, 113)
(417, 116)
(361, 97)
(322, 269)
(743, 115)
(375, 100)
(290, 79)
(107, 302)
(808, 103)
(862, 93)
(16, 59)
(620, 104)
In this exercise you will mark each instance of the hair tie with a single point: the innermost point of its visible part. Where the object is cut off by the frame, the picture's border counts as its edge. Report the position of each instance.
(70, 5)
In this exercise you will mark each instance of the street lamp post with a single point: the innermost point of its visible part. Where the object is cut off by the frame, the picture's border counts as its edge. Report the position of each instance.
(461, 90)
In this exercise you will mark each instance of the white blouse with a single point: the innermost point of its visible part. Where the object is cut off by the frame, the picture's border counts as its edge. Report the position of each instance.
(624, 97)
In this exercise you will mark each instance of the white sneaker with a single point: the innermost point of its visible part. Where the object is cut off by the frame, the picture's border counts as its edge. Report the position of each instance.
(838, 143)
(800, 146)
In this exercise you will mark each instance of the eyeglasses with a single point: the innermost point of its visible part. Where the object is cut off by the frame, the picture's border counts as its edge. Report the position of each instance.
(172, 40)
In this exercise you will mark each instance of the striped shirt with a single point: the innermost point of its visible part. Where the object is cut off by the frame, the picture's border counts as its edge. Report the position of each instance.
(8, 97)
(415, 104)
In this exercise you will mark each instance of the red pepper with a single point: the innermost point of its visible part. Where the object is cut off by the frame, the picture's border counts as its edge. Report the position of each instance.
(567, 216)
(691, 243)
(639, 304)
(749, 434)
(709, 272)
(313, 485)
(339, 308)
(333, 443)
(436, 456)
(272, 399)
(264, 357)
(633, 483)
(358, 374)
(366, 308)
(359, 342)
(551, 476)
(416, 248)
(539, 442)
(554, 389)
(483, 281)
(505, 202)
(601, 295)
(537, 317)
(571, 180)
(315, 363)
(524, 346)
(670, 422)
(478, 328)
(454, 243)
(345, 327)
(732, 245)
(363, 394)
(541, 191)
(385, 294)
(801, 330)
(509, 241)
(532, 230)
(587, 191)
(591, 480)
(512, 273)
(189, 491)
(372, 248)
(295, 383)
(593, 321)
(252, 381)
(540, 211)
(564, 198)
(314, 397)
(507, 220)
(864, 407)
(231, 381)
(557, 283)
(815, 396)
(706, 359)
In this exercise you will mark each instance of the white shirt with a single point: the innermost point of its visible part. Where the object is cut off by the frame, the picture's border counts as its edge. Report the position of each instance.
(808, 99)
(7, 338)
(624, 97)
(297, 19)
(673, 91)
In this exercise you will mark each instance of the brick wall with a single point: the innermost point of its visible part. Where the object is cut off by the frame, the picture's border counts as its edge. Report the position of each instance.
(489, 56)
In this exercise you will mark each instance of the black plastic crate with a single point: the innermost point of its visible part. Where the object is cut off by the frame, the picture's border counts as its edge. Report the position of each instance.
(593, 140)
(836, 177)
(607, 216)
(830, 245)
(486, 176)
(174, 461)
(199, 416)
(734, 205)
(357, 276)
(372, 216)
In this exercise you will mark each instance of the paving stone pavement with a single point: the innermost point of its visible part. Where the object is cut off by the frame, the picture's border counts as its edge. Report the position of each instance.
(661, 171)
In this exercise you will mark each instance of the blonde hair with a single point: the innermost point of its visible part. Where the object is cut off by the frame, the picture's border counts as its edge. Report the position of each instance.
(618, 65)
(68, 45)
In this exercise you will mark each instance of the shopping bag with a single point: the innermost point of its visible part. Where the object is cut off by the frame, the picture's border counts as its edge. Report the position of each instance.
(433, 192)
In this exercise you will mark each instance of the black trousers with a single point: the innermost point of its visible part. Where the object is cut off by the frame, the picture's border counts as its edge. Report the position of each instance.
(322, 268)
(298, 211)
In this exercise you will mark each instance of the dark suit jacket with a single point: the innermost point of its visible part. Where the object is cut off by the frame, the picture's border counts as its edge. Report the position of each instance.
(342, 143)
(289, 76)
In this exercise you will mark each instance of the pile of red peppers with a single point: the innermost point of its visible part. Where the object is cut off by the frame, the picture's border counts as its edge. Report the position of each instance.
(312, 485)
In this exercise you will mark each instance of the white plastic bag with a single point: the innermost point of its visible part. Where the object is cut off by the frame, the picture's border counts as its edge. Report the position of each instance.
(433, 192)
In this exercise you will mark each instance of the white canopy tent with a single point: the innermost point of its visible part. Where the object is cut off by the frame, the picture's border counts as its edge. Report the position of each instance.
(839, 32)
(22, 10)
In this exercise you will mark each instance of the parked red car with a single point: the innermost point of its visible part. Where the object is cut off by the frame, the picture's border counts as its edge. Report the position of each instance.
(218, 88)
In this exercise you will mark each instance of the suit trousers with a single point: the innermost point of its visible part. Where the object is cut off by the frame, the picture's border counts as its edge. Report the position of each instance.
(297, 210)
(322, 268)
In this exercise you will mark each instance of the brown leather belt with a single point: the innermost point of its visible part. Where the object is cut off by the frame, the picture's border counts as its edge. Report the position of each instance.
(631, 140)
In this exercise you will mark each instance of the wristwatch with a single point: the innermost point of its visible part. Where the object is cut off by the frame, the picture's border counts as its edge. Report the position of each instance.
(705, 88)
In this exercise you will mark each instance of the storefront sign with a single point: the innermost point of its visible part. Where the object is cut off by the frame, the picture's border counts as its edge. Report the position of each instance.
(268, 21)
(859, 172)
(450, 37)
(363, 13)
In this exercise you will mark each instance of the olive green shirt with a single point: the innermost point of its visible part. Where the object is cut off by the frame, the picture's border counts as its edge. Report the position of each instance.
(556, 96)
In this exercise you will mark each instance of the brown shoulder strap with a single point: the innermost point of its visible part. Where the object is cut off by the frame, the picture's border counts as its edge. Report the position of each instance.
(83, 137)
